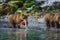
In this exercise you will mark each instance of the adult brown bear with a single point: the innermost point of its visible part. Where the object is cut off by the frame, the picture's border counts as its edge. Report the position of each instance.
(12, 20)
(57, 20)
(49, 20)
(15, 19)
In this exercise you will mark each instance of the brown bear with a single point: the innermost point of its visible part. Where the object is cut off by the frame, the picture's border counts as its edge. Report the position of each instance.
(57, 20)
(49, 20)
(11, 19)
(15, 19)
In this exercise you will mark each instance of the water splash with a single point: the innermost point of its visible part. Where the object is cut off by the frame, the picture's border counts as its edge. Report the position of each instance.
(3, 0)
(39, 0)
(49, 2)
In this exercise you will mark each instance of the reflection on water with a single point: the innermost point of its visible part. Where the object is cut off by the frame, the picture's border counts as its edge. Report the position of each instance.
(31, 34)
(43, 35)
(12, 34)
(36, 34)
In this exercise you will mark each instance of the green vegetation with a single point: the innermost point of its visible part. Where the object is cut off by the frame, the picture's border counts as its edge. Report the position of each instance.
(14, 5)
(54, 6)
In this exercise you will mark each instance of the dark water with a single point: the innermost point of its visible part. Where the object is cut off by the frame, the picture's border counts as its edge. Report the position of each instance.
(12, 34)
